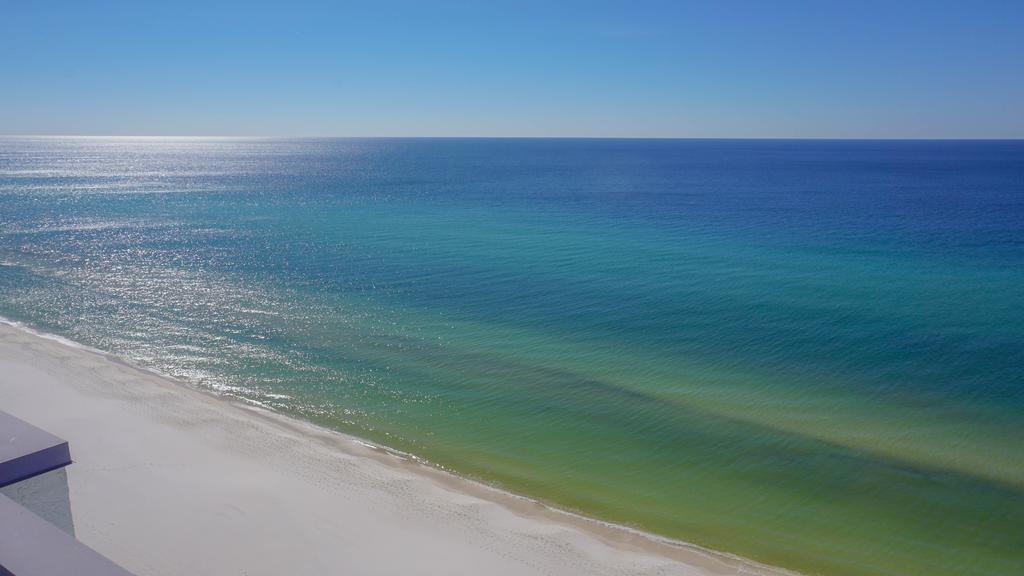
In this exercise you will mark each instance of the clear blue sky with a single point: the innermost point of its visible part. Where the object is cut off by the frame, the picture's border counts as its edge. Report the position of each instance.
(719, 68)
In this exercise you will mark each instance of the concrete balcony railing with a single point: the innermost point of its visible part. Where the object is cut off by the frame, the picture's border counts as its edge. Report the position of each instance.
(36, 525)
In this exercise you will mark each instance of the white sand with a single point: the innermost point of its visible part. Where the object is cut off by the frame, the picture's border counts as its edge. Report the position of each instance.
(171, 480)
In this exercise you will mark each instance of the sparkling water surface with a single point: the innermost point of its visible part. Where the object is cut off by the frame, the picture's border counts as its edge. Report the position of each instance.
(809, 353)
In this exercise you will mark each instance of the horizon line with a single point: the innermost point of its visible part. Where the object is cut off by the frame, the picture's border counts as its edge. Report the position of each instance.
(521, 137)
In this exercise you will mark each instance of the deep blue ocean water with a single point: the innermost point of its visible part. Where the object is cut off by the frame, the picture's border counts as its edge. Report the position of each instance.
(805, 352)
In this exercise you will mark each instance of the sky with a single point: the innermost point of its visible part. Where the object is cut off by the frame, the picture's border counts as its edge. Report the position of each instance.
(640, 68)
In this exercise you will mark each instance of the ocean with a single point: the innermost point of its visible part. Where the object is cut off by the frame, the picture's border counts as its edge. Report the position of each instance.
(808, 353)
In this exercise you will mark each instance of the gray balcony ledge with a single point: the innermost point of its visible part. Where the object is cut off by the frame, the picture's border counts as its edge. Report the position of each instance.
(30, 545)
(27, 451)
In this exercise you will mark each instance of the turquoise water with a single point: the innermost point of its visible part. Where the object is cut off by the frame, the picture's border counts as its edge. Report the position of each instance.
(808, 353)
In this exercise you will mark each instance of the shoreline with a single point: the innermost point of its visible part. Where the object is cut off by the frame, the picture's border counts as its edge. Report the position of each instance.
(516, 531)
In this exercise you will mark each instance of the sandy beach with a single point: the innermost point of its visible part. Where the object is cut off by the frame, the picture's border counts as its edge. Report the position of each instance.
(171, 480)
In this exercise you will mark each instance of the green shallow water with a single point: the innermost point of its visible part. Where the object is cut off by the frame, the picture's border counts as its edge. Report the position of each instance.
(807, 353)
